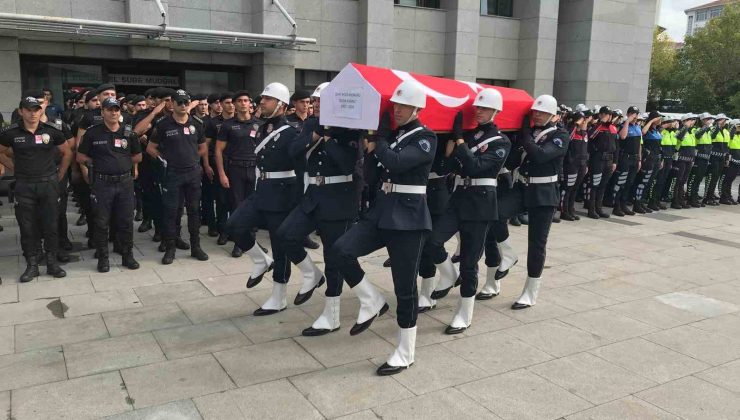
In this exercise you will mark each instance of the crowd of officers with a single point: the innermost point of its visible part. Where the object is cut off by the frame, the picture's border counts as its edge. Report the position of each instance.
(237, 164)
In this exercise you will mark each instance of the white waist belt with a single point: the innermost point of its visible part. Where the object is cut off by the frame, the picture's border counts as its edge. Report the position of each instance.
(276, 175)
(403, 189)
(326, 180)
(475, 182)
(542, 179)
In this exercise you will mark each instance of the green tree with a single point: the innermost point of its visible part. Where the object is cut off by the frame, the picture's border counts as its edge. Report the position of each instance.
(663, 68)
(709, 66)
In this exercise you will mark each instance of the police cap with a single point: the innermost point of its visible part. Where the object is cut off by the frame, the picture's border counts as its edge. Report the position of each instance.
(110, 103)
(605, 110)
(633, 110)
(30, 102)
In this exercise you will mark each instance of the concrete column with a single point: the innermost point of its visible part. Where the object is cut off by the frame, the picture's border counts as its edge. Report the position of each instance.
(272, 65)
(573, 51)
(461, 45)
(10, 76)
(375, 37)
(538, 32)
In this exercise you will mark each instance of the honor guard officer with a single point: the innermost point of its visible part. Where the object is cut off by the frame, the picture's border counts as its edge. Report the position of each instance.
(477, 159)
(178, 145)
(111, 149)
(33, 145)
(235, 158)
(272, 200)
(545, 145)
(398, 220)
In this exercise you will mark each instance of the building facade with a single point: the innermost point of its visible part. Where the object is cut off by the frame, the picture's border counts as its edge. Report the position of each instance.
(699, 16)
(589, 51)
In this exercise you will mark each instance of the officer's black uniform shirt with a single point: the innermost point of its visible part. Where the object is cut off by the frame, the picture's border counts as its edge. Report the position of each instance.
(213, 125)
(578, 148)
(110, 151)
(34, 153)
(477, 203)
(178, 143)
(241, 138)
(296, 121)
(66, 130)
(543, 159)
(603, 138)
(407, 163)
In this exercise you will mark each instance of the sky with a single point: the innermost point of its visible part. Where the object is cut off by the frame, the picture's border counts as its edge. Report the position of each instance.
(673, 18)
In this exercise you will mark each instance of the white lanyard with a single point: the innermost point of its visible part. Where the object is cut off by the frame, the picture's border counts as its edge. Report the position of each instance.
(400, 139)
(267, 139)
(483, 143)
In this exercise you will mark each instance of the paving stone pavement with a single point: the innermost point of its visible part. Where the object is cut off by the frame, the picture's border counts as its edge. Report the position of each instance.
(635, 320)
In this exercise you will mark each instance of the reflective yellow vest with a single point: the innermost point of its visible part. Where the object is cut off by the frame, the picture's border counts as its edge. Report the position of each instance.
(669, 138)
(734, 142)
(689, 140)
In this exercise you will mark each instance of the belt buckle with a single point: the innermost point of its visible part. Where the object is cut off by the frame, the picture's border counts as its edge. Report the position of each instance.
(467, 182)
(263, 176)
(387, 187)
(320, 180)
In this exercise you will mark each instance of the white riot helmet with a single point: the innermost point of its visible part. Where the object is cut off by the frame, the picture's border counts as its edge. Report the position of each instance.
(317, 92)
(546, 104)
(721, 117)
(278, 91)
(489, 98)
(409, 92)
(581, 108)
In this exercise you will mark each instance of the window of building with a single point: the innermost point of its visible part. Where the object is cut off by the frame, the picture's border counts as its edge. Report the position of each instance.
(715, 12)
(701, 16)
(494, 82)
(497, 7)
(432, 4)
(690, 25)
(309, 79)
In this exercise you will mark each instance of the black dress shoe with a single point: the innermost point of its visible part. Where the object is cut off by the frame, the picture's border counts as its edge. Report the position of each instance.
(422, 309)
(138, 217)
(501, 274)
(212, 232)
(316, 332)
(162, 247)
(32, 271)
(129, 262)
(63, 257)
(157, 237)
(575, 216)
(302, 298)
(181, 244)
(222, 239)
(310, 243)
(387, 263)
(517, 306)
(265, 250)
(103, 265)
(265, 312)
(602, 214)
(450, 330)
(485, 296)
(439, 294)
(617, 211)
(387, 370)
(145, 226)
(455, 259)
(514, 221)
(169, 256)
(255, 281)
(358, 328)
(198, 253)
(236, 252)
(567, 217)
(627, 211)
(55, 270)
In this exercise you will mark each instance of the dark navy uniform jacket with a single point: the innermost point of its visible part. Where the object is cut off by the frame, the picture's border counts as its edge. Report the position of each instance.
(277, 155)
(478, 203)
(438, 189)
(336, 156)
(544, 159)
(407, 163)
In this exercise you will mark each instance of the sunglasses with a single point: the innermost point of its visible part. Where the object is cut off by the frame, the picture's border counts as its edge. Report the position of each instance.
(181, 103)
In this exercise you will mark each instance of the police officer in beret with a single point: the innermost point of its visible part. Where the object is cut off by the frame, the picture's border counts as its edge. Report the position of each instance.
(398, 220)
(111, 150)
(178, 146)
(545, 145)
(33, 145)
(222, 109)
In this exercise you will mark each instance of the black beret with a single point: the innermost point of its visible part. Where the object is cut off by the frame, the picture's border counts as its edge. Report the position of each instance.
(240, 93)
(226, 95)
(138, 99)
(105, 86)
(90, 95)
(213, 98)
(300, 95)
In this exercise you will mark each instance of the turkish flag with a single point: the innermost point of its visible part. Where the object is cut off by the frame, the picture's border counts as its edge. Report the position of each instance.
(360, 94)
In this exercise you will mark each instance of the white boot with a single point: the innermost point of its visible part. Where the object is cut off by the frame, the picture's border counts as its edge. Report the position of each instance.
(328, 321)
(456, 255)
(312, 278)
(492, 288)
(425, 294)
(529, 294)
(448, 275)
(508, 258)
(463, 316)
(403, 356)
(261, 264)
(372, 305)
(277, 301)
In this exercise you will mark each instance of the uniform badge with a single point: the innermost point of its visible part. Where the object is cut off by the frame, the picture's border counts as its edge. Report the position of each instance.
(501, 153)
(478, 135)
(186, 130)
(558, 142)
(117, 143)
(45, 138)
(120, 118)
(37, 138)
(269, 128)
(192, 129)
(425, 145)
(483, 148)
(124, 143)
